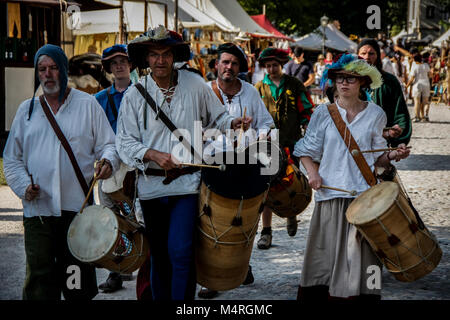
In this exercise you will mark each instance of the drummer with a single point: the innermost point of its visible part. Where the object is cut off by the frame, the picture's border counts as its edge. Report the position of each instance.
(168, 194)
(336, 258)
(237, 95)
(52, 201)
(114, 60)
(291, 107)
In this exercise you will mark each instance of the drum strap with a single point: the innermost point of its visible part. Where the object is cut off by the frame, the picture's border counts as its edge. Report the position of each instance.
(111, 102)
(67, 147)
(169, 124)
(216, 91)
(352, 145)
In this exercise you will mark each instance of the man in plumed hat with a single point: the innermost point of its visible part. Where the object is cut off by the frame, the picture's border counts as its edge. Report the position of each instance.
(39, 170)
(168, 192)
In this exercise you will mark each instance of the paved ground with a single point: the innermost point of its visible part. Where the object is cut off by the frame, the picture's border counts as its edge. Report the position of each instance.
(277, 270)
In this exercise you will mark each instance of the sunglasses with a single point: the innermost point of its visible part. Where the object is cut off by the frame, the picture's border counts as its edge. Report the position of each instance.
(350, 80)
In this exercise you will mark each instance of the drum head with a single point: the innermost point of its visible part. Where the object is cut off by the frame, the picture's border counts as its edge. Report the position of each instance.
(92, 234)
(372, 203)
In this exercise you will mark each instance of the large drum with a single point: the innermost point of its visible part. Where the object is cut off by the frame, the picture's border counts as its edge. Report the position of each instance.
(230, 205)
(395, 232)
(290, 193)
(107, 240)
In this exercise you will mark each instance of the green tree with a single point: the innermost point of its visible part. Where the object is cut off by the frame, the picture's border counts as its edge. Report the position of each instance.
(301, 17)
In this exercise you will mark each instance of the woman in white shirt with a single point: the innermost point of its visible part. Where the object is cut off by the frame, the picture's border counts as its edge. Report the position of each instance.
(336, 260)
(420, 79)
(319, 67)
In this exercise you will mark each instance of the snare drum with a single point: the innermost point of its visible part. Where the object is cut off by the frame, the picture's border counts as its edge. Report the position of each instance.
(107, 240)
(230, 205)
(396, 234)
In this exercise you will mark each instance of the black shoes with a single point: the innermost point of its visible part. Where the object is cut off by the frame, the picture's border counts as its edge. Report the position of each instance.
(249, 279)
(112, 284)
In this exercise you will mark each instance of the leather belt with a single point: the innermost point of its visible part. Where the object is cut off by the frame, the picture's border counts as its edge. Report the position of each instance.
(171, 174)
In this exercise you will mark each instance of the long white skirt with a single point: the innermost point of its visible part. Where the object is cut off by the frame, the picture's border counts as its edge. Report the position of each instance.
(336, 255)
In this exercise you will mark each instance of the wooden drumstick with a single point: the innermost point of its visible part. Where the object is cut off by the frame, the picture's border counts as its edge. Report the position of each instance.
(221, 167)
(378, 150)
(102, 162)
(242, 128)
(352, 192)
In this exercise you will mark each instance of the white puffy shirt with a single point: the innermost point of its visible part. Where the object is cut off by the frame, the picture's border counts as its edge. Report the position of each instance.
(324, 144)
(33, 148)
(192, 101)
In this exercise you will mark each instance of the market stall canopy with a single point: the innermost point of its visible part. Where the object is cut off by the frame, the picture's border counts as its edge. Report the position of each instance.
(262, 20)
(400, 35)
(334, 39)
(232, 11)
(107, 21)
(439, 41)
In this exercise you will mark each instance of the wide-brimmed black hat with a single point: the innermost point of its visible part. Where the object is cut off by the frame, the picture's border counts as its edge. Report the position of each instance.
(159, 37)
(235, 51)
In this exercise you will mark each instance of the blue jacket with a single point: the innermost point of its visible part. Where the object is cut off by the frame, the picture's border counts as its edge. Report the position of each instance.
(102, 98)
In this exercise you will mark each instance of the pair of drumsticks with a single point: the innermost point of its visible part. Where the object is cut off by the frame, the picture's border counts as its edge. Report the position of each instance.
(354, 151)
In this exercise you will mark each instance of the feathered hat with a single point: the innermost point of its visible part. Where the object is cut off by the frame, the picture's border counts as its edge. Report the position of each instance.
(159, 37)
(350, 64)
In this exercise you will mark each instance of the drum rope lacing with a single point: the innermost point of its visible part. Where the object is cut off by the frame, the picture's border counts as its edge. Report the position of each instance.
(398, 264)
(216, 238)
(127, 253)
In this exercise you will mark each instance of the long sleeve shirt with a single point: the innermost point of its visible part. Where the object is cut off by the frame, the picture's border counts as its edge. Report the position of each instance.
(324, 144)
(191, 102)
(33, 148)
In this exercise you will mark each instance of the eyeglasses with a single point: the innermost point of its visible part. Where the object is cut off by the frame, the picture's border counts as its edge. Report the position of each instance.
(350, 80)
(165, 55)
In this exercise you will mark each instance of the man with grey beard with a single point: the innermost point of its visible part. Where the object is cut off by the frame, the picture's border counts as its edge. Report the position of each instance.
(52, 184)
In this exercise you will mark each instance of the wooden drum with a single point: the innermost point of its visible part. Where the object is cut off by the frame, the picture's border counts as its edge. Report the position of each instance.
(395, 232)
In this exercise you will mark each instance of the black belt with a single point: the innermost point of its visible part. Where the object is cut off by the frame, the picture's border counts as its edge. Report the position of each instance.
(171, 174)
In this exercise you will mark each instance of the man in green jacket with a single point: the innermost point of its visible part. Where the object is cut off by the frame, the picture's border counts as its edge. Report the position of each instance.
(389, 96)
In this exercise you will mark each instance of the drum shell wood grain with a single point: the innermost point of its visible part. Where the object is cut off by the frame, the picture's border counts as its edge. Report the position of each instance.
(406, 266)
(289, 201)
(224, 266)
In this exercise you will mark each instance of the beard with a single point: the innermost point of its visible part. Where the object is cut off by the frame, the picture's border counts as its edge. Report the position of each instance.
(52, 90)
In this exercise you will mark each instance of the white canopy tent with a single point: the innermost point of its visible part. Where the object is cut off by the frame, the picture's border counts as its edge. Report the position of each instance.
(439, 41)
(334, 39)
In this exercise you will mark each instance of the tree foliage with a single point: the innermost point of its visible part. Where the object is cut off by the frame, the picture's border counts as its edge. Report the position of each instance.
(300, 17)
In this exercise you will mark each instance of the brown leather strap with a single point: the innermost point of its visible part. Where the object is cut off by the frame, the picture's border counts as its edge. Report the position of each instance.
(216, 91)
(66, 145)
(170, 174)
(352, 145)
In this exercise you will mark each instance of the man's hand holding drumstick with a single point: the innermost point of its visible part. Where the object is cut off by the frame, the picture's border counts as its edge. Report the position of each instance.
(32, 191)
(392, 132)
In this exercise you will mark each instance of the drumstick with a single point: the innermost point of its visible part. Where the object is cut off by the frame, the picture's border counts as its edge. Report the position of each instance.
(92, 186)
(221, 167)
(352, 192)
(242, 128)
(379, 150)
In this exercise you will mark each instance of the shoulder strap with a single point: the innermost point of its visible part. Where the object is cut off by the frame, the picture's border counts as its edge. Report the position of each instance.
(169, 124)
(352, 145)
(65, 144)
(111, 102)
(216, 91)
(298, 70)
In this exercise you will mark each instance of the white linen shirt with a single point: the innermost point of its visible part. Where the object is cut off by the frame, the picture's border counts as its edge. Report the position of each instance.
(192, 101)
(324, 144)
(33, 148)
(248, 97)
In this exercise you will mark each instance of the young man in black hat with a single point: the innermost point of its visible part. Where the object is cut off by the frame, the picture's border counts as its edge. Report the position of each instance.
(114, 60)
(40, 172)
(168, 193)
